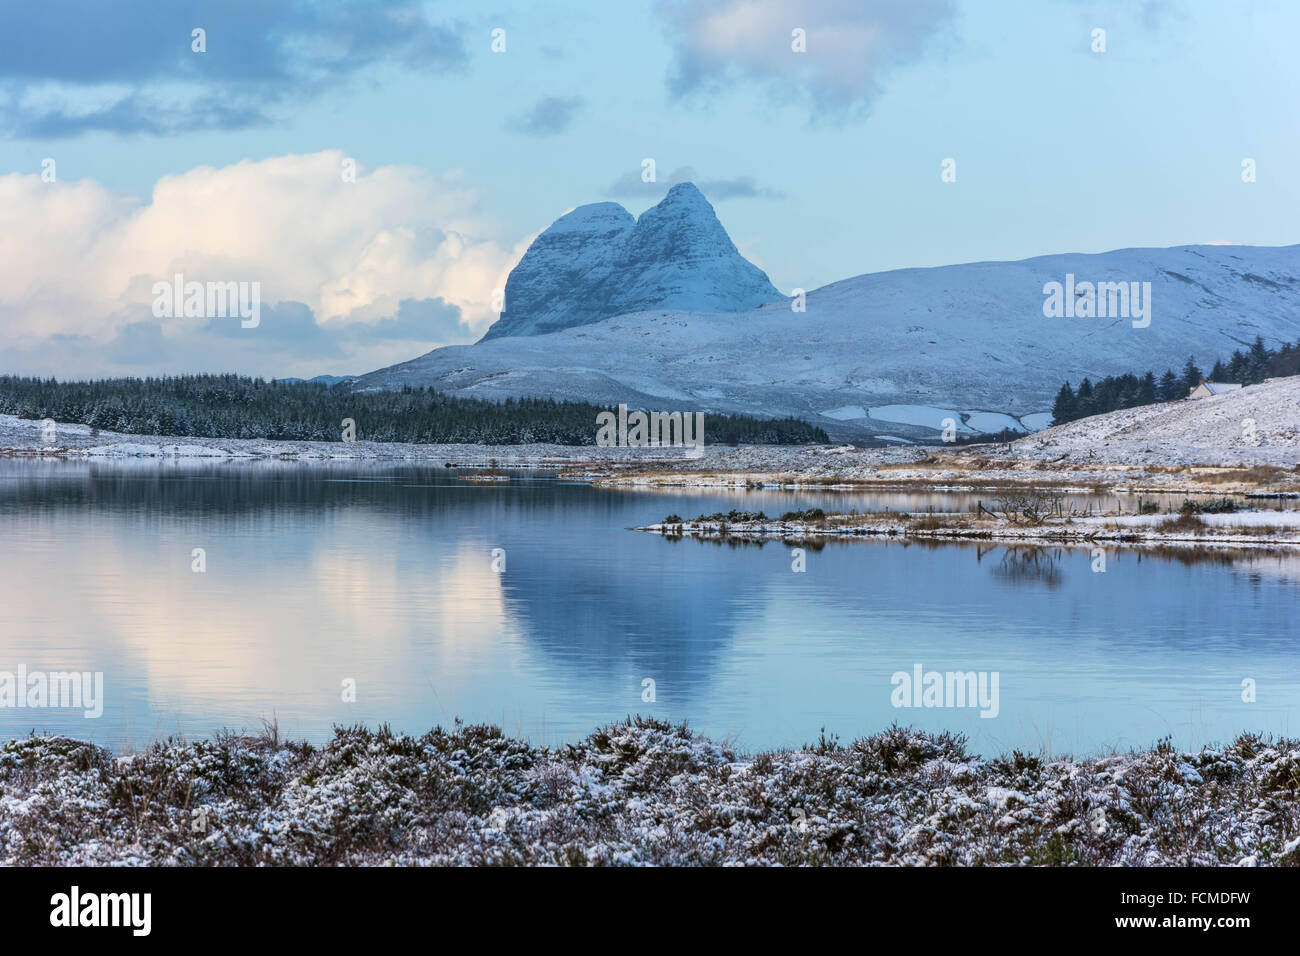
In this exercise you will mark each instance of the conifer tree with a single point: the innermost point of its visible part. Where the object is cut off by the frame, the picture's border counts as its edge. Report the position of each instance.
(1168, 390)
(1064, 408)
(1083, 399)
(1147, 394)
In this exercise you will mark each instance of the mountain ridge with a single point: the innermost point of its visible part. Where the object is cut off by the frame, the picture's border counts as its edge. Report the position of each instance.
(963, 338)
(598, 261)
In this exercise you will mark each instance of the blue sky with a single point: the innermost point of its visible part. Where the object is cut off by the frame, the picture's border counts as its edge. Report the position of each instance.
(822, 165)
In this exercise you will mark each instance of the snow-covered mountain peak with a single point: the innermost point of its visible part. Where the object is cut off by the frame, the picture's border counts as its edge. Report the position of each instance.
(596, 217)
(683, 226)
(682, 199)
(598, 261)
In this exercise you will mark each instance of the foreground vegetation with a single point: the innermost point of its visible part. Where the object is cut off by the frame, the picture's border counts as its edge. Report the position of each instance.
(640, 792)
(235, 406)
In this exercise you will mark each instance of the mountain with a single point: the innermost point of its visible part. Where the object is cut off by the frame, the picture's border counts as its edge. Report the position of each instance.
(598, 261)
(894, 353)
(321, 379)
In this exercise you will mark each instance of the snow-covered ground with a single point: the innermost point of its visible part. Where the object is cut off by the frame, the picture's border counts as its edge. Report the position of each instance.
(933, 418)
(638, 793)
(28, 437)
(1271, 529)
(1037, 421)
(1247, 441)
(845, 413)
(1259, 424)
(922, 415)
(1226, 523)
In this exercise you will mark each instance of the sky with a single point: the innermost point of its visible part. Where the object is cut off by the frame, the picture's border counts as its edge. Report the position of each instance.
(376, 168)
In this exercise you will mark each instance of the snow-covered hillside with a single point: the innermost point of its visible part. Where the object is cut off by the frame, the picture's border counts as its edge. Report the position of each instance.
(1259, 424)
(598, 261)
(969, 338)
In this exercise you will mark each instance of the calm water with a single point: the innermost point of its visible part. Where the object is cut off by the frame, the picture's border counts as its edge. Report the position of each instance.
(383, 575)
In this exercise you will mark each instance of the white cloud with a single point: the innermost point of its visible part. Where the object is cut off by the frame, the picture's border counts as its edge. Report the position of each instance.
(850, 45)
(77, 259)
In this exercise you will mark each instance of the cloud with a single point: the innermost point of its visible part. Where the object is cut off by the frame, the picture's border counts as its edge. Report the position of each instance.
(138, 343)
(630, 185)
(1155, 12)
(739, 187)
(73, 66)
(367, 272)
(851, 47)
(1152, 14)
(417, 320)
(130, 114)
(285, 326)
(546, 117)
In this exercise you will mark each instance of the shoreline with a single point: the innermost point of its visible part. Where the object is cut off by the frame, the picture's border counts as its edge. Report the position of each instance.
(640, 792)
(1028, 463)
(1236, 529)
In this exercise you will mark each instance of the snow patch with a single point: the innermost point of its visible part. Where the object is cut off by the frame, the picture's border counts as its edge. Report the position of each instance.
(992, 422)
(923, 415)
(845, 413)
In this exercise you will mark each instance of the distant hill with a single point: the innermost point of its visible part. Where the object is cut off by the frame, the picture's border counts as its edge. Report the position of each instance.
(883, 354)
(321, 379)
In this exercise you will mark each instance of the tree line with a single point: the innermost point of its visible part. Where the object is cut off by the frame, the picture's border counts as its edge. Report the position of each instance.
(237, 406)
(1127, 391)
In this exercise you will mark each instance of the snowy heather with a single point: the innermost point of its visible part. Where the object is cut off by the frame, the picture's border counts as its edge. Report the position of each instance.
(640, 792)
